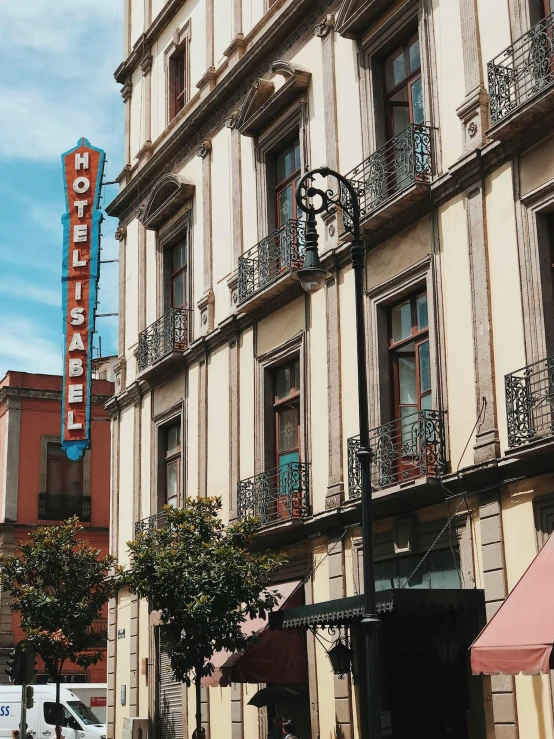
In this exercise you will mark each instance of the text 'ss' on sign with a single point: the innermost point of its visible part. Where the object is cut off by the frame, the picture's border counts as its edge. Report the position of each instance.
(83, 169)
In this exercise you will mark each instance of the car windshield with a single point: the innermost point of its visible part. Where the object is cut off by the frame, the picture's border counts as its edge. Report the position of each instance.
(84, 713)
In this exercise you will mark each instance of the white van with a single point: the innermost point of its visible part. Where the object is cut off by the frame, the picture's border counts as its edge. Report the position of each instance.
(79, 721)
(93, 695)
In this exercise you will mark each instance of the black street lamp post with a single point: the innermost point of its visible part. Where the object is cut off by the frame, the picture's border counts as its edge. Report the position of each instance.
(312, 276)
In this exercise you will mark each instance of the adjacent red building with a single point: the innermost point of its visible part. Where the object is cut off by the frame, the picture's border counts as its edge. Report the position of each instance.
(40, 486)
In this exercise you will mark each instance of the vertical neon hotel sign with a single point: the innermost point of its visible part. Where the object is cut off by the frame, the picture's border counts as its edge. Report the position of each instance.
(83, 168)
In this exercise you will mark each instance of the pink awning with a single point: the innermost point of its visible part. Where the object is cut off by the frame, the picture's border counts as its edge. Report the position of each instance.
(520, 635)
(270, 656)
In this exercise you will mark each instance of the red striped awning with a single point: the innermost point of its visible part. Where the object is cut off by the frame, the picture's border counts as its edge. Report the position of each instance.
(520, 635)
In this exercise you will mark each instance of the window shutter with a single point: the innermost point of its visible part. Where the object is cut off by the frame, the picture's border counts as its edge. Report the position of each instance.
(170, 700)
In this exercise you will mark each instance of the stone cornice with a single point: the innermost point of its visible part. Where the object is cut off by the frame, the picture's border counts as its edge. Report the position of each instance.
(295, 19)
(13, 391)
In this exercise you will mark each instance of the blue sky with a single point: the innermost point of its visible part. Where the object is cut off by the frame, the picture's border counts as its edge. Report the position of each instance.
(57, 59)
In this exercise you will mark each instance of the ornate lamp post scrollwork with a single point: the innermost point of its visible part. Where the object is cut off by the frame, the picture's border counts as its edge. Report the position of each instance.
(313, 200)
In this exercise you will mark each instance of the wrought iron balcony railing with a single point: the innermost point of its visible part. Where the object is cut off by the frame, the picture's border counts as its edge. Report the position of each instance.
(60, 507)
(157, 521)
(405, 160)
(522, 71)
(530, 402)
(271, 258)
(166, 335)
(277, 495)
(402, 450)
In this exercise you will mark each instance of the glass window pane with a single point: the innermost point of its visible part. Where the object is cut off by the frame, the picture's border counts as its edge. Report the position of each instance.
(409, 429)
(179, 256)
(400, 118)
(173, 440)
(282, 382)
(422, 316)
(288, 429)
(426, 402)
(386, 574)
(395, 69)
(418, 114)
(172, 482)
(444, 566)
(285, 205)
(424, 368)
(407, 380)
(179, 291)
(420, 579)
(288, 458)
(401, 316)
(297, 375)
(413, 53)
(297, 151)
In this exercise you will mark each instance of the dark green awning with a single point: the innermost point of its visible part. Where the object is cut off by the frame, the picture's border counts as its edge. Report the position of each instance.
(346, 610)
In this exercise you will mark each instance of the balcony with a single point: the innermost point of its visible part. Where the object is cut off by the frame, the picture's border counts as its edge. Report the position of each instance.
(530, 403)
(278, 495)
(157, 521)
(395, 176)
(265, 269)
(520, 81)
(61, 507)
(164, 337)
(402, 450)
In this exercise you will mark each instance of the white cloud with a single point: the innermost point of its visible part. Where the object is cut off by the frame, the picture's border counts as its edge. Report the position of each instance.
(61, 56)
(16, 288)
(24, 348)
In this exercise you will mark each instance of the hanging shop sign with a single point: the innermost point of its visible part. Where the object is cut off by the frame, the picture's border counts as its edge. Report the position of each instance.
(83, 169)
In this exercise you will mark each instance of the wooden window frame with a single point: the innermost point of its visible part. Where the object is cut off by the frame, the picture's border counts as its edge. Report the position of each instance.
(408, 82)
(178, 53)
(293, 400)
(418, 337)
(282, 185)
(169, 237)
(174, 457)
(171, 417)
(182, 270)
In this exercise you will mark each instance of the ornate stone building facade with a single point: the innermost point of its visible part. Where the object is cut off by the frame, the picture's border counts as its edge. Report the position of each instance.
(233, 382)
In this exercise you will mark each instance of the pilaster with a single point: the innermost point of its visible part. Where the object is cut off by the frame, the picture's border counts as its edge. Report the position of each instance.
(133, 657)
(473, 112)
(146, 138)
(335, 487)
(142, 278)
(500, 703)
(487, 445)
(111, 668)
(202, 428)
(206, 303)
(326, 32)
(342, 686)
(121, 236)
(237, 711)
(11, 459)
(234, 426)
(126, 93)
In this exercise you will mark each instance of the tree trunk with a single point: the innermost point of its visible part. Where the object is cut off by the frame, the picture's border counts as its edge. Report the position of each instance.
(198, 687)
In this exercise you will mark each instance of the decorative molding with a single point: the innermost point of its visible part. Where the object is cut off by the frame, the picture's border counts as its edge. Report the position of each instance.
(354, 16)
(204, 149)
(168, 195)
(146, 64)
(322, 29)
(206, 306)
(208, 78)
(263, 103)
(232, 120)
(275, 42)
(126, 90)
(120, 233)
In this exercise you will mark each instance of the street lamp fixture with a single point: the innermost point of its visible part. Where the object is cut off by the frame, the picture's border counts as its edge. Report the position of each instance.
(312, 276)
(313, 200)
(340, 657)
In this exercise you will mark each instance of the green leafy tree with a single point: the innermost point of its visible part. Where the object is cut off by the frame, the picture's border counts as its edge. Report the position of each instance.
(59, 585)
(203, 579)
